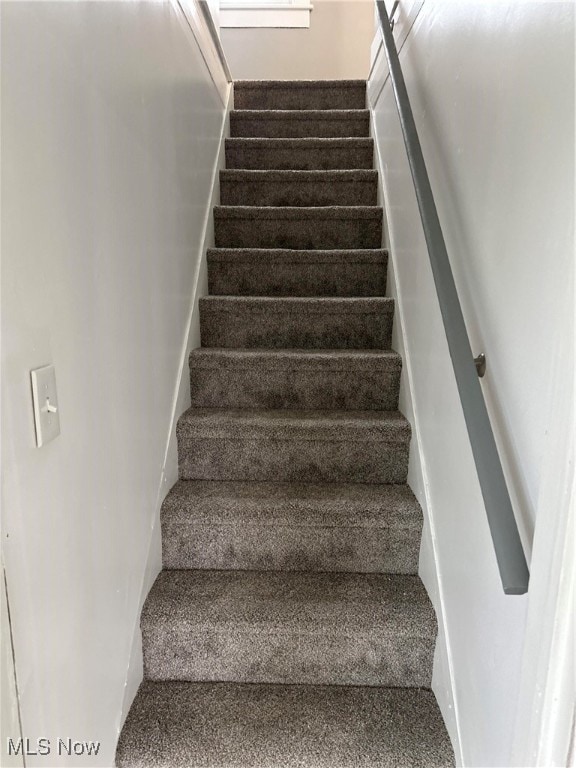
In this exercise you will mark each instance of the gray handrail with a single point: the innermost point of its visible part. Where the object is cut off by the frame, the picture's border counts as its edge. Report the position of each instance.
(505, 537)
(204, 7)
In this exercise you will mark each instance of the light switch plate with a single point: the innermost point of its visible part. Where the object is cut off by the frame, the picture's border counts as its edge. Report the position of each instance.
(45, 399)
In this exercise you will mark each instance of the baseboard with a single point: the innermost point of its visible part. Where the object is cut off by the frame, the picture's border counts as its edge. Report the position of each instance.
(181, 401)
(200, 288)
(443, 683)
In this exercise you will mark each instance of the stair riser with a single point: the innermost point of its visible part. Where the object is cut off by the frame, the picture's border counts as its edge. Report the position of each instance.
(294, 193)
(246, 97)
(264, 387)
(263, 328)
(286, 460)
(181, 652)
(242, 278)
(290, 548)
(297, 128)
(310, 233)
(299, 159)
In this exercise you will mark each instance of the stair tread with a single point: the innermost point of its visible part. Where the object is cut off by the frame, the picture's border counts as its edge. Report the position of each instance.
(302, 188)
(300, 425)
(273, 626)
(301, 114)
(299, 255)
(304, 153)
(302, 504)
(310, 142)
(305, 304)
(294, 94)
(300, 142)
(301, 227)
(288, 601)
(295, 379)
(297, 272)
(333, 359)
(294, 446)
(232, 725)
(301, 176)
(339, 212)
(309, 322)
(320, 527)
(299, 122)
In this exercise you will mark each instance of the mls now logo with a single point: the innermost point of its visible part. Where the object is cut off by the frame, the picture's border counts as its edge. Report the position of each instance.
(43, 747)
(27, 747)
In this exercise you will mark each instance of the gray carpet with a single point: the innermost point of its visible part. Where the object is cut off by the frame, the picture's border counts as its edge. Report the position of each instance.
(289, 272)
(306, 154)
(298, 188)
(231, 725)
(278, 627)
(296, 322)
(292, 446)
(296, 379)
(298, 227)
(300, 123)
(321, 527)
(289, 628)
(299, 94)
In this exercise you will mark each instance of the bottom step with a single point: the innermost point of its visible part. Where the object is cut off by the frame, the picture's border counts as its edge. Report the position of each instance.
(230, 725)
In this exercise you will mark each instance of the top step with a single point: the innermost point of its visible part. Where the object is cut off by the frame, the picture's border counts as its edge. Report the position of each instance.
(300, 94)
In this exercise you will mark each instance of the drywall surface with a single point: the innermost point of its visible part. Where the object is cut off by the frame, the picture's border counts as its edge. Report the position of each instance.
(492, 89)
(336, 46)
(110, 137)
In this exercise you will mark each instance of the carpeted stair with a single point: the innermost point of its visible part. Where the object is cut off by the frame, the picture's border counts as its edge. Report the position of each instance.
(289, 628)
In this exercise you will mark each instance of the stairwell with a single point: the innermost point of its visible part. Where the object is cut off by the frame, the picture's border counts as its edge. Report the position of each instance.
(289, 626)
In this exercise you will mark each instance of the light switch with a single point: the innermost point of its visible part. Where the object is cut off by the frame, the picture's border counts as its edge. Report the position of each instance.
(46, 411)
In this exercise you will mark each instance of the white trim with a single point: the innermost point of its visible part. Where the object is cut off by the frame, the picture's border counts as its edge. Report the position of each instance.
(199, 289)
(190, 13)
(443, 682)
(558, 707)
(545, 717)
(444, 689)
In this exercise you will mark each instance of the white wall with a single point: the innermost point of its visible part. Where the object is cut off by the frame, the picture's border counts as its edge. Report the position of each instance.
(492, 89)
(111, 127)
(336, 46)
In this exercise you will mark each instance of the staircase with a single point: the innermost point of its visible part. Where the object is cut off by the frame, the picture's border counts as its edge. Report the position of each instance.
(289, 628)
